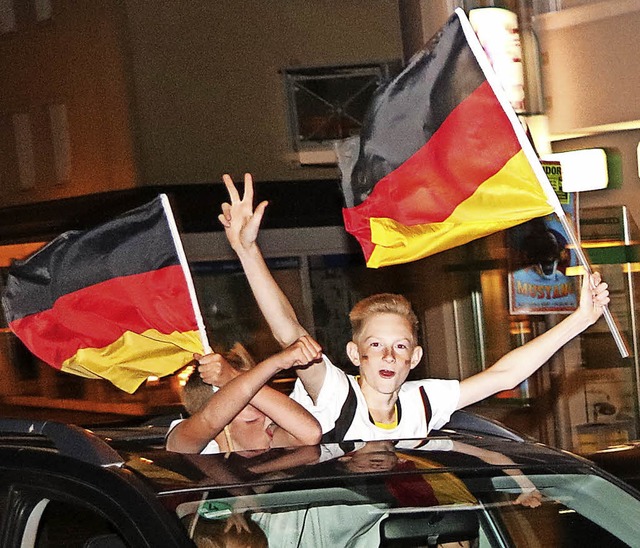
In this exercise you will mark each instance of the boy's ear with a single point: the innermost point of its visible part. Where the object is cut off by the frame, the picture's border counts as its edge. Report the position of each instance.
(416, 356)
(353, 353)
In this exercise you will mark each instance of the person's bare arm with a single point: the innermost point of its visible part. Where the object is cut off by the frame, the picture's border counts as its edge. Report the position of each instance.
(519, 364)
(530, 496)
(296, 425)
(292, 458)
(242, 224)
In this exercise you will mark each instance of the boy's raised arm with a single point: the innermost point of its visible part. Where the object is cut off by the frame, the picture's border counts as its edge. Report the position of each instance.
(242, 224)
(519, 364)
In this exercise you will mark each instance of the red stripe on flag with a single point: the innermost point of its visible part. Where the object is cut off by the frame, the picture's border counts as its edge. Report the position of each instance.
(98, 315)
(448, 169)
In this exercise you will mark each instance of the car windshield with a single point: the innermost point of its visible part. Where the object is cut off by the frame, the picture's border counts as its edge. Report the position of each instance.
(430, 508)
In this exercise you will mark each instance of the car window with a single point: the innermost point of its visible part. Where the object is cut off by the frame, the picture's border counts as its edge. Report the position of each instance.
(36, 518)
(69, 525)
(574, 510)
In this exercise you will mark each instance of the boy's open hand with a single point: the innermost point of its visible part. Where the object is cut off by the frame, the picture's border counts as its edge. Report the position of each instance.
(240, 221)
(215, 369)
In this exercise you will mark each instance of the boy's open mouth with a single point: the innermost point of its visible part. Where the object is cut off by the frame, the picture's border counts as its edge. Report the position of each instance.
(386, 373)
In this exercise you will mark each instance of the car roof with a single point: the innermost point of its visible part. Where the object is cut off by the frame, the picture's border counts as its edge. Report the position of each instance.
(468, 434)
(141, 449)
(173, 472)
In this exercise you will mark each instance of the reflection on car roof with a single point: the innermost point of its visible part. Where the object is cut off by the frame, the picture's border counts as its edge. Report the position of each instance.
(167, 471)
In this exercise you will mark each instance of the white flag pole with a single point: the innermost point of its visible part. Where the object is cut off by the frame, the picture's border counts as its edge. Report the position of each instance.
(534, 161)
(187, 273)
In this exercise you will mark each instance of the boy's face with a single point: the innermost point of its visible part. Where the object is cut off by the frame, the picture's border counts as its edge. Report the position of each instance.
(250, 429)
(374, 456)
(385, 352)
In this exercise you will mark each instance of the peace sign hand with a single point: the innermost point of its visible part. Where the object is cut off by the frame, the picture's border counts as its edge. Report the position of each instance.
(240, 221)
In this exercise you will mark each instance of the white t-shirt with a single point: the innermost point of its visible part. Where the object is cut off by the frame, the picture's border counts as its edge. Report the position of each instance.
(211, 447)
(422, 406)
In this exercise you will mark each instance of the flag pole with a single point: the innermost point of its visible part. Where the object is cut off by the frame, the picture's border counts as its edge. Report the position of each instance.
(534, 161)
(192, 293)
(611, 322)
(553, 200)
(187, 273)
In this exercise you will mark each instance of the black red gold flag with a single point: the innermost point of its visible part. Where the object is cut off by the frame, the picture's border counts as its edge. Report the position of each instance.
(113, 302)
(443, 159)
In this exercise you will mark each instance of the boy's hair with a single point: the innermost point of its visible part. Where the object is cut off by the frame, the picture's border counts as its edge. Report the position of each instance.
(239, 358)
(217, 533)
(382, 303)
(196, 393)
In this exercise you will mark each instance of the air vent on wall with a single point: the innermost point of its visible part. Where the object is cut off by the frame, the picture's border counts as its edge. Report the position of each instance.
(326, 104)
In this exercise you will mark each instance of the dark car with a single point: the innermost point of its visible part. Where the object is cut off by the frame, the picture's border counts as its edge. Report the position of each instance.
(472, 483)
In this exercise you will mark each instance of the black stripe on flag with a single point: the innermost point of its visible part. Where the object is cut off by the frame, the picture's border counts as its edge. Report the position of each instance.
(136, 242)
(406, 112)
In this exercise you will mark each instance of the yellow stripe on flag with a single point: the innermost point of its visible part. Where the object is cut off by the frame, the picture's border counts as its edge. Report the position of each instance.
(128, 361)
(510, 197)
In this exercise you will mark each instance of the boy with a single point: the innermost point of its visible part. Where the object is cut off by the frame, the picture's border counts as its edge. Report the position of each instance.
(245, 414)
(379, 404)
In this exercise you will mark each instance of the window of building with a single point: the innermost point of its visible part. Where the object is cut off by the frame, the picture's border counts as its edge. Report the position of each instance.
(329, 103)
(7, 16)
(61, 142)
(43, 10)
(24, 150)
(16, 14)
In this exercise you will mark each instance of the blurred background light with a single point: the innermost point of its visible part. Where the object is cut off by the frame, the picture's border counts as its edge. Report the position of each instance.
(582, 170)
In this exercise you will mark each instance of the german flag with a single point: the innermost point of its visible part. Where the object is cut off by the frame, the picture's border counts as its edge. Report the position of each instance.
(443, 159)
(114, 302)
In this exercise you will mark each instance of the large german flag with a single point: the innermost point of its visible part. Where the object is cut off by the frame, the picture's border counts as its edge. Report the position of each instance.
(114, 302)
(443, 158)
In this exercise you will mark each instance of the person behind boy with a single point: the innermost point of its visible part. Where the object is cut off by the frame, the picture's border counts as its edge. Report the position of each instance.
(220, 533)
(378, 403)
(245, 413)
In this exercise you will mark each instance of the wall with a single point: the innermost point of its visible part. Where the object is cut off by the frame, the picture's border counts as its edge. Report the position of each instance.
(209, 92)
(590, 75)
(590, 85)
(74, 58)
(172, 92)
